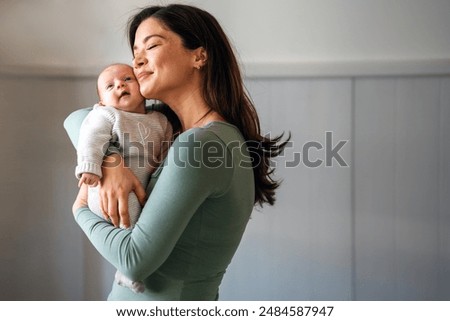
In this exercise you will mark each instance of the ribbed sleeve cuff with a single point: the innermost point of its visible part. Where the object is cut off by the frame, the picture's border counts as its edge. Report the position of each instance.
(87, 167)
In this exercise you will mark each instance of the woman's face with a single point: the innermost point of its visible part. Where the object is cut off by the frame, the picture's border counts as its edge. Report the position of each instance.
(162, 65)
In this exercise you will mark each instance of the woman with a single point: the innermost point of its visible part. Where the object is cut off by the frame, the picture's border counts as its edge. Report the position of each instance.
(201, 198)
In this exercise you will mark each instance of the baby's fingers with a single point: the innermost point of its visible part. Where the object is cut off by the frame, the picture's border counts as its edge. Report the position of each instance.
(81, 181)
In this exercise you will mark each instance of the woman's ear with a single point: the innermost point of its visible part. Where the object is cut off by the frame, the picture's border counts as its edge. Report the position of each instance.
(201, 56)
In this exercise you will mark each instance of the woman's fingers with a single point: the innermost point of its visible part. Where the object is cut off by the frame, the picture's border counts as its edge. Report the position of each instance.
(123, 201)
(114, 207)
(140, 193)
(104, 205)
(112, 210)
(123, 211)
(108, 206)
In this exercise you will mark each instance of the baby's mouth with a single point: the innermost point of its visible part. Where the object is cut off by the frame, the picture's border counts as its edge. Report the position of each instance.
(125, 93)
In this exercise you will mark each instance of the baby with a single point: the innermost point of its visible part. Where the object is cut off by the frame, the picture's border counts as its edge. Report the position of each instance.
(121, 120)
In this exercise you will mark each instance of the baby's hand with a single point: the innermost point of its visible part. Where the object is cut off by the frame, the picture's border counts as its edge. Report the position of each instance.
(89, 179)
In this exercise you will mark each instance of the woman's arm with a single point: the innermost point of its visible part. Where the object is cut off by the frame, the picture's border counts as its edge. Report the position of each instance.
(72, 124)
(183, 185)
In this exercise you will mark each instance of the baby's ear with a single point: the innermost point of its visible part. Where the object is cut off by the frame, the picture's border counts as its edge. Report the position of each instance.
(100, 103)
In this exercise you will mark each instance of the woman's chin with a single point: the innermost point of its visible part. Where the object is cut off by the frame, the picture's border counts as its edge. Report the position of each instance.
(148, 93)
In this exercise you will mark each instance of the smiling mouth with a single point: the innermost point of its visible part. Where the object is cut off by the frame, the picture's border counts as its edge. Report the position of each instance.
(143, 74)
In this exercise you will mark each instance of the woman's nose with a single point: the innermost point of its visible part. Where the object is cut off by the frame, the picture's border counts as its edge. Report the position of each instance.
(139, 60)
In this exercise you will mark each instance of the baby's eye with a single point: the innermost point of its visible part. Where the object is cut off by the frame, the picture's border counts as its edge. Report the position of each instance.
(128, 79)
(109, 87)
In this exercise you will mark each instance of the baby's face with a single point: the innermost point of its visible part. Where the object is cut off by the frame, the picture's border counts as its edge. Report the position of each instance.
(118, 87)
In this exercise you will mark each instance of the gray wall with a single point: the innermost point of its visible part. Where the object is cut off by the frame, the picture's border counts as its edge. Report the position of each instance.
(43, 255)
(375, 230)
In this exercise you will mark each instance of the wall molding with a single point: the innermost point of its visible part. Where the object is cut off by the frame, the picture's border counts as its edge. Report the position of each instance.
(49, 71)
(353, 68)
(303, 69)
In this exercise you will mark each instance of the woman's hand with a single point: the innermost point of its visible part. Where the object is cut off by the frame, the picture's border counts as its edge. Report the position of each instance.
(82, 199)
(115, 186)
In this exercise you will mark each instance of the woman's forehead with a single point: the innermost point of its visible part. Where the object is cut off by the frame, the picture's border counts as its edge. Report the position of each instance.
(149, 28)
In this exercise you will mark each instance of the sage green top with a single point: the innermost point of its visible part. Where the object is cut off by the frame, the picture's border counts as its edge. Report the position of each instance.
(200, 200)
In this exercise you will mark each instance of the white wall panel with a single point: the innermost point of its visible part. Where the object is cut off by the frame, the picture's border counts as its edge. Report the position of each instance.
(397, 188)
(374, 189)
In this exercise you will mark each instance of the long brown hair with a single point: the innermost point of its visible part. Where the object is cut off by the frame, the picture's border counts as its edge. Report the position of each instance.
(223, 88)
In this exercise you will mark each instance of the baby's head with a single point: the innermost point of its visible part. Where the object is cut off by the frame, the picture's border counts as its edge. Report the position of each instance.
(117, 86)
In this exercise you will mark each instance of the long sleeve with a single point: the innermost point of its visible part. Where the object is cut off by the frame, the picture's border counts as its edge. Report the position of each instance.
(94, 139)
(72, 123)
(189, 179)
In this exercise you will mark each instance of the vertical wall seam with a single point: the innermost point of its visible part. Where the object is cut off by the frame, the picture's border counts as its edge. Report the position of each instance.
(440, 184)
(352, 186)
(396, 103)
